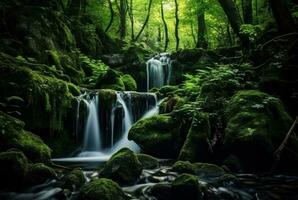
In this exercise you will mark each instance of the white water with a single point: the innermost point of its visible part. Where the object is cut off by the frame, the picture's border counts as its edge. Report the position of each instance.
(159, 70)
(92, 149)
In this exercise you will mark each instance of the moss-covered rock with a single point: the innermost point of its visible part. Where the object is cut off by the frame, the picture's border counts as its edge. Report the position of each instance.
(13, 136)
(129, 82)
(170, 103)
(157, 135)
(161, 191)
(75, 179)
(38, 173)
(123, 167)
(110, 80)
(148, 162)
(101, 189)
(196, 147)
(14, 166)
(257, 124)
(200, 169)
(185, 186)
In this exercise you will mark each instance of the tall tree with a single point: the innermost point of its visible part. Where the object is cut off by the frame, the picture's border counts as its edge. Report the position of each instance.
(177, 24)
(165, 26)
(131, 17)
(283, 16)
(201, 41)
(122, 8)
(247, 11)
(112, 13)
(146, 21)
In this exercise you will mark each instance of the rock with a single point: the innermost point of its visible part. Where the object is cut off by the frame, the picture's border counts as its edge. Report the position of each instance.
(123, 167)
(196, 147)
(101, 189)
(74, 179)
(200, 169)
(161, 191)
(170, 103)
(185, 186)
(257, 123)
(113, 60)
(13, 136)
(14, 166)
(38, 173)
(157, 135)
(168, 89)
(110, 80)
(148, 162)
(129, 82)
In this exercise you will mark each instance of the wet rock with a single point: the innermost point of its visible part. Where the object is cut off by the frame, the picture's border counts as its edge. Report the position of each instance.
(110, 80)
(101, 189)
(75, 179)
(185, 186)
(148, 162)
(14, 166)
(123, 167)
(38, 173)
(157, 135)
(129, 82)
(161, 191)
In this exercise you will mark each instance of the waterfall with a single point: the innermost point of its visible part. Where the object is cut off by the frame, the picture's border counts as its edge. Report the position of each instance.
(159, 70)
(92, 130)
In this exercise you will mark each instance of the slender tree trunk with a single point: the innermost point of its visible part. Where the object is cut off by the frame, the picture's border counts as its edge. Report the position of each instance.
(131, 17)
(193, 34)
(229, 35)
(257, 12)
(177, 25)
(201, 42)
(146, 21)
(165, 27)
(112, 13)
(122, 12)
(247, 11)
(282, 15)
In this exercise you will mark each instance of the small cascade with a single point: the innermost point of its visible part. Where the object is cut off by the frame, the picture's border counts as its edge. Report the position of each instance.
(159, 70)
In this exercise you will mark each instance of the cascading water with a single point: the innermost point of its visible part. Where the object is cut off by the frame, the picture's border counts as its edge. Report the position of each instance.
(159, 70)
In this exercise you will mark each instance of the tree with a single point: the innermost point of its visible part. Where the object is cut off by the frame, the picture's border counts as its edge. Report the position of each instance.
(112, 13)
(282, 15)
(131, 17)
(247, 11)
(146, 21)
(201, 41)
(165, 26)
(122, 8)
(177, 25)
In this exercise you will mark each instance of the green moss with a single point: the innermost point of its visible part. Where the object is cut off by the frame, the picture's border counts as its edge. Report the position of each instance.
(185, 186)
(74, 179)
(107, 98)
(123, 167)
(196, 147)
(161, 191)
(110, 80)
(184, 167)
(74, 90)
(38, 173)
(171, 103)
(14, 167)
(101, 189)
(168, 89)
(13, 136)
(148, 162)
(129, 82)
(156, 135)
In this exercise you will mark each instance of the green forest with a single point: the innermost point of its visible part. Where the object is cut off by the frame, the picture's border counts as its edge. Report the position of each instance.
(148, 99)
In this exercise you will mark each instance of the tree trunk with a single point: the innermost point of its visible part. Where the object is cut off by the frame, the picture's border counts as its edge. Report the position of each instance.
(177, 25)
(282, 16)
(201, 42)
(77, 6)
(247, 11)
(146, 21)
(111, 17)
(165, 26)
(131, 17)
(122, 12)
(193, 34)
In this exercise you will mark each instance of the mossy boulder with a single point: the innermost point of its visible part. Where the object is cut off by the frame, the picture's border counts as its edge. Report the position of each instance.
(14, 166)
(157, 135)
(196, 147)
(110, 80)
(129, 82)
(200, 169)
(13, 136)
(170, 103)
(185, 186)
(39, 173)
(75, 179)
(161, 191)
(147, 161)
(123, 167)
(102, 189)
(257, 123)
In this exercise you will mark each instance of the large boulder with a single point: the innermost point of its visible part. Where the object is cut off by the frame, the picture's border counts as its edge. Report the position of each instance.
(257, 123)
(74, 179)
(14, 166)
(110, 80)
(148, 162)
(185, 186)
(157, 135)
(129, 82)
(101, 189)
(39, 173)
(123, 167)
(13, 136)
